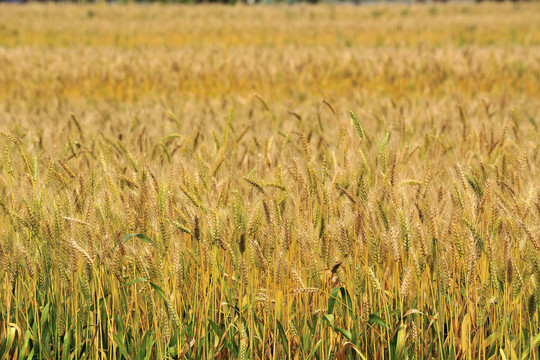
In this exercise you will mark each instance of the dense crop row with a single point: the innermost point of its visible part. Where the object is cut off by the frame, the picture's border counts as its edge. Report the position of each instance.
(372, 199)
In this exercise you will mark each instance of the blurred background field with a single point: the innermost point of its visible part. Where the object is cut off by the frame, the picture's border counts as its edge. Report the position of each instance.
(267, 219)
(59, 55)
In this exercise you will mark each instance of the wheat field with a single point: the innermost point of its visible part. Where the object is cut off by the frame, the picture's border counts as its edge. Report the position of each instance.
(270, 182)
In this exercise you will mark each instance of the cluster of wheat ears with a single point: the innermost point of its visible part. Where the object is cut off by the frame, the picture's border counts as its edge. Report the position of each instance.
(396, 218)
